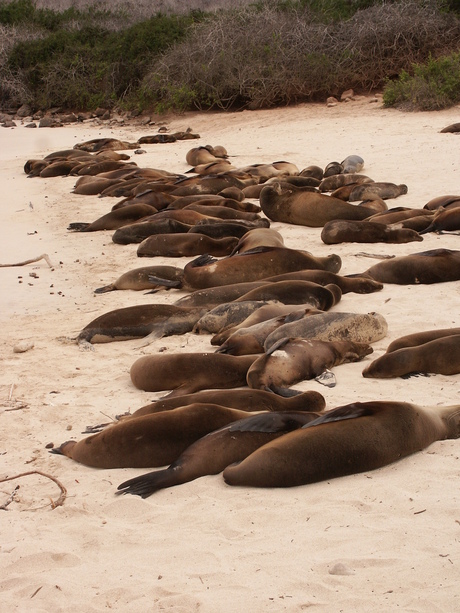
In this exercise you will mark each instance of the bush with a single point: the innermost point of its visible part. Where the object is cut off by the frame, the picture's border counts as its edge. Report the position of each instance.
(433, 86)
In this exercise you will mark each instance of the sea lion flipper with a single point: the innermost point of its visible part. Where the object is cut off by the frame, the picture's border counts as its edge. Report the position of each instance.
(77, 227)
(278, 345)
(269, 422)
(350, 411)
(165, 282)
(144, 485)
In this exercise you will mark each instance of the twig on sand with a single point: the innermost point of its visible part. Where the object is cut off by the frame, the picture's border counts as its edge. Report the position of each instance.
(54, 503)
(10, 499)
(377, 256)
(44, 256)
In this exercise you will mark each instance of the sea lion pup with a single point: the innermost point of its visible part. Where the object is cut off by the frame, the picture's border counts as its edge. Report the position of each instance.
(444, 220)
(332, 182)
(99, 144)
(343, 442)
(204, 154)
(250, 340)
(254, 265)
(245, 399)
(185, 245)
(418, 338)
(440, 356)
(363, 285)
(452, 128)
(115, 219)
(367, 191)
(344, 231)
(357, 327)
(352, 164)
(291, 360)
(184, 373)
(140, 320)
(228, 314)
(259, 237)
(150, 440)
(299, 206)
(332, 168)
(316, 172)
(137, 232)
(444, 201)
(138, 279)
(215, 451)
(434, 266)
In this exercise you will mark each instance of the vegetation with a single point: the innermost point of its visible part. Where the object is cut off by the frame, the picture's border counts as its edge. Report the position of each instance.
(260, 54)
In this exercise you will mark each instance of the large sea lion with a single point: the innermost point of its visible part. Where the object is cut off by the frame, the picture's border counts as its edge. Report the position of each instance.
(330, 326)
(446, 202)
(289, 204)
(345, 231)
(184, 373)
(154, 320)
(296, 292)
(343, 442)
(215, 451)
(418, 338)
(434, 266)
(259, 237)
(291, 360)
(440, 355)
(149, 440)
(185, 245)
(115, 219)
(204, 155)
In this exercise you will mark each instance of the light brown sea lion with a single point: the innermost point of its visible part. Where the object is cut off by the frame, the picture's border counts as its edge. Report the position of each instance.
(228, 314)
(212, 168)
(291, 360)
(94, 167)
(343, 442)
(91, 186)
(222, 212)
(254, 265)
(332, 182)
(138, 278)
(115, 219)
(397, 214)
(155, 320)
(363, 285)
(150, 440)
(289, 204)
(204, 155)
(434, 266)
(259, 237)
(185, 245)
(59, 168)
(440, 355)
(207, 185)
(137, 232)
(444, 201)
(215, 451)
(444, 220)
(368, 191)
(418, 338)
(332, 326)
(345, 231)
(184, 373)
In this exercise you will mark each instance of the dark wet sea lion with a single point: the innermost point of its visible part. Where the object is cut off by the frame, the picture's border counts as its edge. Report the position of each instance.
(296, 292)
(288, 204)
(115, 219)
(185, 245)
(444, 220)
(291, 360)
(215, 451)
(137, 232)
(343, 442)
(150, 440)
(245, 399)
(184, 373)
(434, 266)
(138, 278)
(363, 285)
(440, 355)
(345, 231)
(155, 320)
(219, 229)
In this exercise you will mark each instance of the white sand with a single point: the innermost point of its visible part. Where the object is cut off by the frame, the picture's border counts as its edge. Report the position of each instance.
(205, 546)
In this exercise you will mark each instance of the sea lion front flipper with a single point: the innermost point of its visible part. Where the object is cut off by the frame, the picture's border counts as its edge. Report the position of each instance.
(350, 411)
(145, 485)
(77, 227)
(164, 282)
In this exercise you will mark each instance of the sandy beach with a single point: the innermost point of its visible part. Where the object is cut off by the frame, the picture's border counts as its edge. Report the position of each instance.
(386, 539)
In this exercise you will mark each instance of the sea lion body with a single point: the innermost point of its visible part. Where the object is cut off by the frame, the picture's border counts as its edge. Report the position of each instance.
(185, 245)
(227, 314)
(138, 278)
(345, 231)
(444, 220)
(296, 292)
(137, 232)
(352, 164)
(363, 285)
(368, 191)
(115, 219)
(346, 444)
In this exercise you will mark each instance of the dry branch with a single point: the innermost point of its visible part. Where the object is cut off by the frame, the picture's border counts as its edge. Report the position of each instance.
(60, 501)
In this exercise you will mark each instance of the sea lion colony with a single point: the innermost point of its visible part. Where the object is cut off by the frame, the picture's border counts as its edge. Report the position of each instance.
(272, 311)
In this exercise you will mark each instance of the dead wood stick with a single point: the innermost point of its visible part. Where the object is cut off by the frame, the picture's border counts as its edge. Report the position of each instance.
(44, 256)
(60, 501)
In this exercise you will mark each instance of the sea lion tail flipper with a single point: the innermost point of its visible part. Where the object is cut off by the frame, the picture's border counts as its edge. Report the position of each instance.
(106, 288)
(145, 485)
(285, 392)
(165, 282)
(77, 227)
(278, 345)
(350, 411)
(202, 260)
(64, 449)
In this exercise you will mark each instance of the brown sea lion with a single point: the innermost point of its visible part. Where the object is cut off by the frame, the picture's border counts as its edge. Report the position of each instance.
(444, 201)
(215, 451)
(321, 297)
(288, 204)
(291, 360)
(352, 164)
(155, 320)
(343, 442)
(363, 285)
(115, 219)
(259, 237)
(215, 296)
(344, 231)
(385, 190)
(312, 171)
(185, 245)
(440, 355)
(336, 180)
(452, 128)
(418, 338)
(204, 155)
(228, 314)
(150, 440)
(434, 266)
(138, 278)
(184, 373)
(137, 232)
(99, 144)
(444, 220)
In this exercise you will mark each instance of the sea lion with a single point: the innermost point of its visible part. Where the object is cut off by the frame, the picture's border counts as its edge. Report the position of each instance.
(228, 314)
(363, 285)
(149, 440)
(245, 399)
(100, 144)
(312, 171)
(204, 155)
(91, 186)
(254, 265)
(352, 164)
(357, 327)
(154, 320)
(444, 220)
(296, 292)
(344, 231)
(444, 201)
(434, 266)
(385, 190)
(259, 237)
(219, 229)
(137, 232)
(332, 169)
(289, 204)
(215, 451)
(452, 128)
(291, 360)
(185, 245)
(440, 356)
(184, 373)
(115, 219)
(343, 442)
(332, 182)
(221, 294)
(138, 278)
(418, 338)
(222, 212)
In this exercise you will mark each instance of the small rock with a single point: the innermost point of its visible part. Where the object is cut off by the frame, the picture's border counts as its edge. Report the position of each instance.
(341, 569)
(23, 346)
